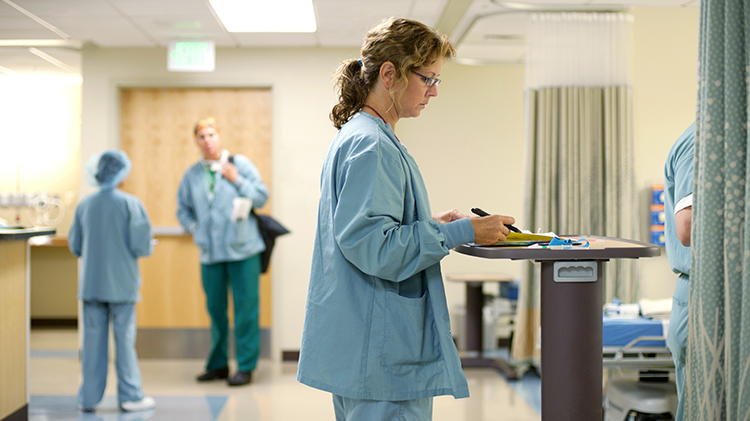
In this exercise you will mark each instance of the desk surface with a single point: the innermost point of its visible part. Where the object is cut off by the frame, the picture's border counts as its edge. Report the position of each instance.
(600, 248)
(23, 233)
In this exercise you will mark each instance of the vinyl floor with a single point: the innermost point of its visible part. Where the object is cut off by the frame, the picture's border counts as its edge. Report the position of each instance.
(274, 394)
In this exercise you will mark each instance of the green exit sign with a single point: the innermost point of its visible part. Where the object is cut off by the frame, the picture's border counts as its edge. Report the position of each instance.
(191, 56)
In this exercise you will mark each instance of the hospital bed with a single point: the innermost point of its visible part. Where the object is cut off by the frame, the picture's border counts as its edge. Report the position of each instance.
(637, 345)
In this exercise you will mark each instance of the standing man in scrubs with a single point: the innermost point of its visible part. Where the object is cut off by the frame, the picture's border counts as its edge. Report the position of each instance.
(377, 331)
(213, 204)
(110, 231)
(678, 205)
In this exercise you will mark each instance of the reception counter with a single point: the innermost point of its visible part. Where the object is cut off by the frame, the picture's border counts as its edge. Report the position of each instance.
(14, 321)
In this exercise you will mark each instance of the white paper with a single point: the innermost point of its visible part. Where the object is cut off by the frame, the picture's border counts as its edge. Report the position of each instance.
(241, 208)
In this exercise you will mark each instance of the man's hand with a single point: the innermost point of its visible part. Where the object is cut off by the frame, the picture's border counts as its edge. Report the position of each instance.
(230, 172)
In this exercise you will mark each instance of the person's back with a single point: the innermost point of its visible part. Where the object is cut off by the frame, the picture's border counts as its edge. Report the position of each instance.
(110, 244)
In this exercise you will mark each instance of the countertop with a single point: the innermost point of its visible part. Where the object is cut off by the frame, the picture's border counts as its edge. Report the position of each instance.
(10, 234)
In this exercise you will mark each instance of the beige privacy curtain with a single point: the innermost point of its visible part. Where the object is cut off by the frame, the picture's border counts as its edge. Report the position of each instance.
(579, 174)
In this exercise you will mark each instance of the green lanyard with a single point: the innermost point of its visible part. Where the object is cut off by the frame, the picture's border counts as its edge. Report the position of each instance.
(211, 180)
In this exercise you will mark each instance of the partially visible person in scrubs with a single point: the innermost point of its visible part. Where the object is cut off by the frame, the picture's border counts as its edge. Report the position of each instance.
(377, 332)
(213, 204)
(678, 212)
(110, 231)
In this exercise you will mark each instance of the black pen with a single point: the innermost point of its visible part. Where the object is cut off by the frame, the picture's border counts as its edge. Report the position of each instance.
(483, 213)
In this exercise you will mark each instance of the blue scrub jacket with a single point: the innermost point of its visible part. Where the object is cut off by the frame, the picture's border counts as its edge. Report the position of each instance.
(218, 238)
(110, 231)
(376, 322)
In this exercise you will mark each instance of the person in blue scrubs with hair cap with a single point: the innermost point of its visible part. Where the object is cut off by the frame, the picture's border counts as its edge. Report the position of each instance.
(110, 231)
(377, 331)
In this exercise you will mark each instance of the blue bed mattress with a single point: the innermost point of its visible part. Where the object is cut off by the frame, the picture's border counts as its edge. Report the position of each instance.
(621, 331)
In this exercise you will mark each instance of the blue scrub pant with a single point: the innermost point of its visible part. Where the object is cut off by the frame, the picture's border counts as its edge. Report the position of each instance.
(242, 276)
(677, 338)
(94, 356)
(347, 409)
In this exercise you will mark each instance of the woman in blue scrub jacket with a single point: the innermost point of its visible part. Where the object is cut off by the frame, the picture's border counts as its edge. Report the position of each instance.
(110, 231)
(376, 331)
(213, 204)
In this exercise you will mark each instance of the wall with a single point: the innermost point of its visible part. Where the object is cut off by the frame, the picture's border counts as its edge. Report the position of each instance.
(40, 145)
(468, 142)
(40, 142)
(665, 81)
(302, 98)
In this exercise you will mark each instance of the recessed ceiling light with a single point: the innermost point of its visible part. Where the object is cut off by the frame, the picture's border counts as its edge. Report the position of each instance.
(266, 15)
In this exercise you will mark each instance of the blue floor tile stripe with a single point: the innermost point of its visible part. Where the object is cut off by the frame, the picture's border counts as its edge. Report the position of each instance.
(168, 408)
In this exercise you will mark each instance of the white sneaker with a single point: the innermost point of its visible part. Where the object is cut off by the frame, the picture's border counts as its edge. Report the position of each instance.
(146, 403)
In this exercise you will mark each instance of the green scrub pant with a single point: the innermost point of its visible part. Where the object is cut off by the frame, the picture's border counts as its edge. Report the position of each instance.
(242, 276)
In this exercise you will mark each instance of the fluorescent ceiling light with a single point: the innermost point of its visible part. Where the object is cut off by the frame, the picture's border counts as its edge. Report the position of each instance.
(266, 15)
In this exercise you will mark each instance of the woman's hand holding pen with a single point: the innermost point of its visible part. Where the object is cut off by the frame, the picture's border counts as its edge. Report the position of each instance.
(488, 228)
(491, 228)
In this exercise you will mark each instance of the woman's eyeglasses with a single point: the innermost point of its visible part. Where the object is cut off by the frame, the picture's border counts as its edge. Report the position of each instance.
(429, 81)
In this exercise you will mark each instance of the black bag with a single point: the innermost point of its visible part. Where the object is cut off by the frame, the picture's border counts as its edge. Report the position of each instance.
(269, 230)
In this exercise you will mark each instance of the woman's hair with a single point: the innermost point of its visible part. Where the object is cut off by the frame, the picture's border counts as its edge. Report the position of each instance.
(406, 43)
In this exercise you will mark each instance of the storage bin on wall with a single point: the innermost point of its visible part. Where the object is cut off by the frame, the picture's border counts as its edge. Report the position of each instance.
(657, 214)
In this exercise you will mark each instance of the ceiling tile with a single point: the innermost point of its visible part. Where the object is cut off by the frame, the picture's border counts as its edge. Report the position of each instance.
(47, 8)
(660, 3)
(341, 38)
(163, 7)
(180, 26)
(341, 23)
(105, 31)
(21, 61)
(428, 11)
(254, 39)
(6, 10)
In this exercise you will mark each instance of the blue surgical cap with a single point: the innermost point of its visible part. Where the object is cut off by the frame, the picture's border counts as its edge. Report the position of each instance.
(108, 170)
